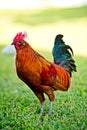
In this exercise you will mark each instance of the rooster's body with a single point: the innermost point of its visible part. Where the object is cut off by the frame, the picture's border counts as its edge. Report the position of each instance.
(39, 74)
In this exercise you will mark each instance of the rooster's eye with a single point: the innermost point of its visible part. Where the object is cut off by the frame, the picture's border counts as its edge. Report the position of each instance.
(21, 43)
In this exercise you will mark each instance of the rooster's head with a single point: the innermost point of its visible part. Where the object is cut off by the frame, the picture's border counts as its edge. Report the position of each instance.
(17, 40)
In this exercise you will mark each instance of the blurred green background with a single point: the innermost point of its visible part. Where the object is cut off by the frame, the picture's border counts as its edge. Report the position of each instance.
(42, 25)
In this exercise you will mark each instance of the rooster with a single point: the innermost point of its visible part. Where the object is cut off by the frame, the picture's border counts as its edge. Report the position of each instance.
(39, 74)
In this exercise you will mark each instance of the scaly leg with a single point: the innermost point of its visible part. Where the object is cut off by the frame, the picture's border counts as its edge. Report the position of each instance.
(51, 96)
(41, 98)
(50, 110)
(47, 90)
(42, 109)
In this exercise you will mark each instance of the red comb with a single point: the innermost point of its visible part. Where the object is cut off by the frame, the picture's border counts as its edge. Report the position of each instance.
(18, 37)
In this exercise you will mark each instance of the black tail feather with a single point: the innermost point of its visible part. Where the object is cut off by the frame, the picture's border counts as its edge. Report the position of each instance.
(63, 55)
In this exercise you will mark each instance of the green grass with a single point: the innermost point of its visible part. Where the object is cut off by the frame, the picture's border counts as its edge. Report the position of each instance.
(19, 108)
(46, 16)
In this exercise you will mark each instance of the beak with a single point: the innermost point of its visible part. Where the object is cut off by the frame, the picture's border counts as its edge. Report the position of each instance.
(13, 43)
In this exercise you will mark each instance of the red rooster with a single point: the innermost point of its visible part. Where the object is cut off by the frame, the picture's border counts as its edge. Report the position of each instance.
(39, 74)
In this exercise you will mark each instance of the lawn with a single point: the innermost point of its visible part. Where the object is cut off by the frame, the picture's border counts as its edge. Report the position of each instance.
(19, 108)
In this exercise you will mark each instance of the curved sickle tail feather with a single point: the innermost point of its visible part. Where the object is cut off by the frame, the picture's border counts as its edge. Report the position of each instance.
(62, 54)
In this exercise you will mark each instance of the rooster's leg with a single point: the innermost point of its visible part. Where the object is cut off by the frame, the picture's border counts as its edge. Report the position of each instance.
(50, 110)
(41, 98)
(42, 109)
(48, 91)
(51, 98)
